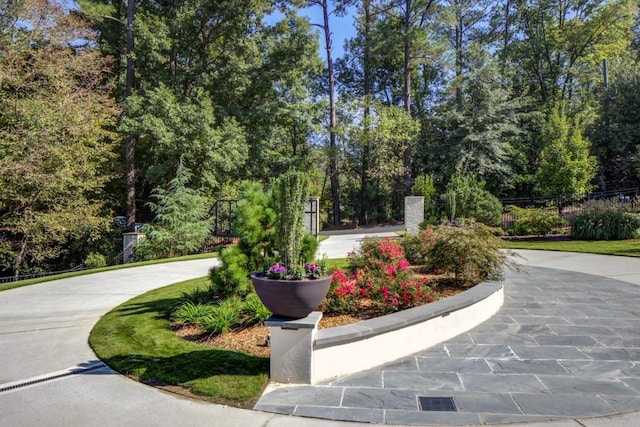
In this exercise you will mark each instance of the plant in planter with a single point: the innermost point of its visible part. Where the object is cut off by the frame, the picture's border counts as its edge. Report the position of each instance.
(289, 288)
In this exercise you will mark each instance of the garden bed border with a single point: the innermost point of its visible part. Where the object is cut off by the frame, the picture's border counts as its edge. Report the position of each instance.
(344, 350)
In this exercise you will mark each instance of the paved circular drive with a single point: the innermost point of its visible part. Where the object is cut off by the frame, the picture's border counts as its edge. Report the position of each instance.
(565, 345)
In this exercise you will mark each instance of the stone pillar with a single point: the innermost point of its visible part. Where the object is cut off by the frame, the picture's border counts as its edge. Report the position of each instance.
(413, 213)
(291, 343)
(129, 240)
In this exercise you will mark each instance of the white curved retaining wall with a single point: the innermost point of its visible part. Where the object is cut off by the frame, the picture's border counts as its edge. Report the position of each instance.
(300, 353)
(440, 323)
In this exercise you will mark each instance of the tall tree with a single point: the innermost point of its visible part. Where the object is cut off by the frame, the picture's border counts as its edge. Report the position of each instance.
(616, 131)
(325, 26)
(54, 143)
(562, 43)
(253, 74)
(566, 165)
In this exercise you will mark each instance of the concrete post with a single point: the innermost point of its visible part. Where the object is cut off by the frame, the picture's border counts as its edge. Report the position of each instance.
(291, 343)
(129, 240)
(413, 213)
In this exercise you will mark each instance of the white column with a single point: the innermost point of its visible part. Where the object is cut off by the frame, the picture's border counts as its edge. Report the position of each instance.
(292, 348)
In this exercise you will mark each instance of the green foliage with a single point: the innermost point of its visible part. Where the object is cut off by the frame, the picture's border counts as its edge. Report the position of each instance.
(95, 260)
(57, 149)
(174, 129)
(254, 226)
(417, 246)
(471, 253)
(465, 197)
(220, 315)
(309, 248)
(605, 220)
(616, 131)
(533, 221)
(289, 197)
(566, 165)
(254, 312)
(190, 313)
(232, 276)
(224, 315)
(374, 169)
(181, 219)
(423, 185)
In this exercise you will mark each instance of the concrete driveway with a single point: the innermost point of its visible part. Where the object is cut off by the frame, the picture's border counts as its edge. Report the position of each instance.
(50, 377)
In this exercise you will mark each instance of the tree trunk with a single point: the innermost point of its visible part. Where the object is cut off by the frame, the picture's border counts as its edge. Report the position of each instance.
(407, 92)
(130, 141)
(333, 146)
(458, 47)
(367, 92)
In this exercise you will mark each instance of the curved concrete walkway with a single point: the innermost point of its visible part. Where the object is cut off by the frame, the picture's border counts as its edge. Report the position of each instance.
(44, 330)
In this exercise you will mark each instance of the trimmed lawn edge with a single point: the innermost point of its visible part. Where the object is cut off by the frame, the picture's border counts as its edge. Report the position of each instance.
(136, 340)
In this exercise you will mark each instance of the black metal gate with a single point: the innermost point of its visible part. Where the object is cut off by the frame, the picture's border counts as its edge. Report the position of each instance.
(222, 214)
(223, 210)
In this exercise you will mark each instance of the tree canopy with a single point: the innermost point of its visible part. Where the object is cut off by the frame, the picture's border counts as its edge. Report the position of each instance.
(103, 101)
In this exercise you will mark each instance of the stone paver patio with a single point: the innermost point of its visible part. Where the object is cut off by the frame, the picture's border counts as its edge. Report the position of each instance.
(564, 345)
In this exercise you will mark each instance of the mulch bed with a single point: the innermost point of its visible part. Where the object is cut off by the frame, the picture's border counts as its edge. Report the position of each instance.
(254, 340)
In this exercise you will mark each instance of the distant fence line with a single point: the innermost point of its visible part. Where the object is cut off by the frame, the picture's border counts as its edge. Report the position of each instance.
(567, 206)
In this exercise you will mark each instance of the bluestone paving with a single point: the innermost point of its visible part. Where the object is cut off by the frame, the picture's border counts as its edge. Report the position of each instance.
(563, 346)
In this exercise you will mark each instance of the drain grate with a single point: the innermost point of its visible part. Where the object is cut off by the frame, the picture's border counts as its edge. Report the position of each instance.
(51, 376)
(445, 404)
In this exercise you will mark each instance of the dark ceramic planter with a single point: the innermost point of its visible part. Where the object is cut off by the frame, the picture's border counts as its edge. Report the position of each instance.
(291, 299)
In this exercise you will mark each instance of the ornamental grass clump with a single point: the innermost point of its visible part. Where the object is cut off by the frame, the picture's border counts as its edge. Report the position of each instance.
(605, 220)
(378, 279)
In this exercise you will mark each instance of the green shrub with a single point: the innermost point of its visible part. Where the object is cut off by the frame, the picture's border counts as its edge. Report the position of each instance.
(199, 296)
(309, 247)
(417, 246)
(465, 197)
(605, 220)
(95, 260)
(533, 221)
(472, 253)
(289, 197)
(231, 277)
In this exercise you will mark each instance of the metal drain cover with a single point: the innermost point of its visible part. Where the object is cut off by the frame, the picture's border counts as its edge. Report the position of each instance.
(445, 404)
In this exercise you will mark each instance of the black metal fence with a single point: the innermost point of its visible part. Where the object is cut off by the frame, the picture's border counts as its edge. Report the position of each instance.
(568, 206)
(222, 214)
(223, 210)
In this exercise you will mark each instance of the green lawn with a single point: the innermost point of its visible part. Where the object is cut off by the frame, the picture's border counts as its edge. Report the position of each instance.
(135, 339)
(604, 247)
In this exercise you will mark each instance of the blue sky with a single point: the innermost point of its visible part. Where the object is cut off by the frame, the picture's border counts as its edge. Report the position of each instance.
(342, 28)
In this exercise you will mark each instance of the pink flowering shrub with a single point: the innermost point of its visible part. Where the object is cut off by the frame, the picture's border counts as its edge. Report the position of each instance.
(378, 279)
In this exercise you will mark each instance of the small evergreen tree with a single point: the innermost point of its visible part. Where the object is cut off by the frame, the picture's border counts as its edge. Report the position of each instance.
(465, 197)
(181, 219)
(289, 196)
(253, 224)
